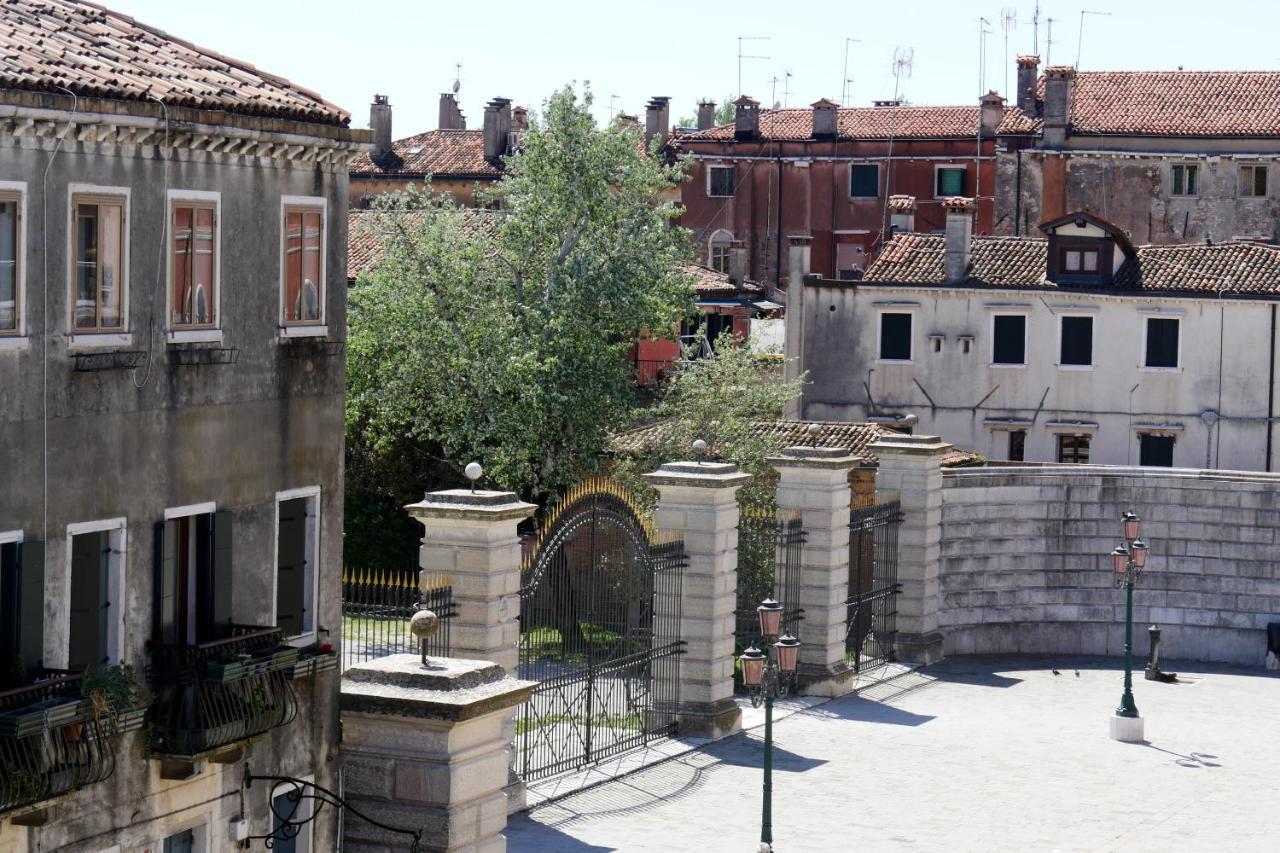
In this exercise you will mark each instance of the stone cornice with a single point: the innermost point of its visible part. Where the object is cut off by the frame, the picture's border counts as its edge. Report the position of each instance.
(699, 475)
(909, 445)
(464, 504)
(829, 458)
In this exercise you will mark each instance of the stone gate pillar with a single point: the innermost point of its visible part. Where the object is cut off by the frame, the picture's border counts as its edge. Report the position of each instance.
(814, 481)
(470, 537)
(699, 504)
(910, 469)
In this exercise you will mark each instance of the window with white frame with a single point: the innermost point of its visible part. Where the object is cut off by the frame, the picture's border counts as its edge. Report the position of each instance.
(895, 336)
(1075, 346)
(194, 839)
(864, 180)
(193, 260)
(1185, 178)
(949, 181)
(21, 609)
(291, 818)
(99, 271)
(297, 551)
(11, 270)
(721, 181)
(1161, 345)
(194, 579)
(94, 610)
(1009, 339)
(718, 251)
(1253, 179)
(302, 288)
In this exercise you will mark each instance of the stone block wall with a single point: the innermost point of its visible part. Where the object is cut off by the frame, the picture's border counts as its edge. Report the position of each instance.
(1026, 565)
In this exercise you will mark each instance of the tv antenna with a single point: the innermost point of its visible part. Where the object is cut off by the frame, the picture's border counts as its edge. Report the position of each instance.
(903, 61)
(786, 87)
(773, 93)
(1048, 43)
(457, 79)
(742, 56)
(1080, 34)
(1035, 30)
(844, 85)
(844, 93)
(983, 32)
(612, 98)
(1008, 21)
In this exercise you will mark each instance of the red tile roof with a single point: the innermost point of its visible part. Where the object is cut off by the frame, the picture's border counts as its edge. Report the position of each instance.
(872, 123)
(709, 284)
(442, 153)
(1237, 268)
(51, 45)
(364, 249)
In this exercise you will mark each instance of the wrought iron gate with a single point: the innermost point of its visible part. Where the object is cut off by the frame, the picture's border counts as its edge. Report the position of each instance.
(872, 606)
(600, 631)
(768, 565)
(377, 606)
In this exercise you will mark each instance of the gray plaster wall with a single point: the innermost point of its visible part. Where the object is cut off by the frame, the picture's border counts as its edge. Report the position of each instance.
(1025, 564)
(84, 446)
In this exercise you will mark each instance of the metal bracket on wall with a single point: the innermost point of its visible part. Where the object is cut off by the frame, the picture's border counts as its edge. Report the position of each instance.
(113, 360)
(205, 355)
(304, 348)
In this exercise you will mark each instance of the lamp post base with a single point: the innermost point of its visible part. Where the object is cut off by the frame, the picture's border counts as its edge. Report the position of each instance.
(1127, 729)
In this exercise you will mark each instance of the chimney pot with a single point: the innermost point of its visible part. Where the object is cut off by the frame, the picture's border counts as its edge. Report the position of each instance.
(450, 116)
(1028, 70)
(991, 110)
(657, 121)
(902, 214)
(1058, 80)
(706, 115)
(380, 123)
(746, 118)
(958, 238)
(519, 119)
(824, 118)
(737, 262)
(497, 129)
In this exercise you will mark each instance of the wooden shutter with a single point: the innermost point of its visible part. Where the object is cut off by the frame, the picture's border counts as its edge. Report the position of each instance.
(9, 614)
(165, 594)
(291, 568)
(31, 604)
(86, 643)
(220, 586)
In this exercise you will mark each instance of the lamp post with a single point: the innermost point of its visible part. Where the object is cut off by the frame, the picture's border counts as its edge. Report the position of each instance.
(1127, 561)
(767, 675)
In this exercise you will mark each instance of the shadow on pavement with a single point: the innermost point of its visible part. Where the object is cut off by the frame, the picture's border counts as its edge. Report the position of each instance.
(1191, 759)
(524, 834)
(749, 752)
(862, 709)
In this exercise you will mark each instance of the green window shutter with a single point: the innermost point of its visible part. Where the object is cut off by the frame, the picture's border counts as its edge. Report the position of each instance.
(291, 569)
(31, 604)
(223, 573)
(165, 594)
(950, 182)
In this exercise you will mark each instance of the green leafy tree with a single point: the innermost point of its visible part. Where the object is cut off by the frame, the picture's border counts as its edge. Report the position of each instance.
(724, 113)
(501, 336)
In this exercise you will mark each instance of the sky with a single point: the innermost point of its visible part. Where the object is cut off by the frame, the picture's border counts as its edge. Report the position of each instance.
(629, 52)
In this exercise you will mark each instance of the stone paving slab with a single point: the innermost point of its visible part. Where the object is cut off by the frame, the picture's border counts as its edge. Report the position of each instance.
(973, 754)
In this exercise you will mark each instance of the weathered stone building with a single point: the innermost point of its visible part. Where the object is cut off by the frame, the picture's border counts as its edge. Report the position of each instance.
(172, 316)
(1168, 156)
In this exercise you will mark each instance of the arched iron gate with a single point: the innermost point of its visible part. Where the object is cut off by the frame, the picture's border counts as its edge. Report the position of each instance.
(600, 631)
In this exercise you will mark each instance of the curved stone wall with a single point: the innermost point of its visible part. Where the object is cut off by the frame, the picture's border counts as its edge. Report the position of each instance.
(1025, 564)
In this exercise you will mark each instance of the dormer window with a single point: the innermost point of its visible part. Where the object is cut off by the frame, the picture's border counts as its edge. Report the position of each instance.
(1085, 249)
(1079, 260)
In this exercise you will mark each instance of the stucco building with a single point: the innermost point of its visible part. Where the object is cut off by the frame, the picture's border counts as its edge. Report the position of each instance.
(172, 318)
(1076, 346)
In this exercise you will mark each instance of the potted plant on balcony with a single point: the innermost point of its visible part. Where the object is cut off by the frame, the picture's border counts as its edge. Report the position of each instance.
(277, 657)
(313, 659)
(115, 694)
(225, 671)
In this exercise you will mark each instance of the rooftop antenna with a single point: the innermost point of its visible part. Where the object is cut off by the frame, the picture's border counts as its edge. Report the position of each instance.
(1008, 21)
(612, 98)
(773, 92)
(983, 32)
(1035, 30)
(1048, 43)
(903, 61)
(844, 94)
(786, 87)
(844, 86)
(1080, 34)
(742, 56)
(457, 79)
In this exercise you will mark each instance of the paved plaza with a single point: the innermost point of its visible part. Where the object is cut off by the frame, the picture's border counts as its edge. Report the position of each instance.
(973, 754)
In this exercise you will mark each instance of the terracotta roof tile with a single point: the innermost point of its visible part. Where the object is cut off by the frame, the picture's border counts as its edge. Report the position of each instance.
(1237, 268)
(442, 153)
(363, 248)
(50, 45)
(708, 283)
(872, 123)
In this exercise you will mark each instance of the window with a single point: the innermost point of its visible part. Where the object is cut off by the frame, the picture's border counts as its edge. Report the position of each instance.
(193, 583)
(99, 274)
(1079, 260)
(21, 609)
(303, 290)
(1185, 179)
(1017, 445)
(895, 336)
(966, 345)
(193, 840)
(1162, 342)
(95, 617)
(10, 263)
(297, 530)
(864, 180)
(950, 181)
(1155, 450)
(721, 180)
(935, 342)
(1009, 339)
(718, 251)
(290, 820)
(193, 265)
(1076, 342)
(1253, 180)
(1073, 448)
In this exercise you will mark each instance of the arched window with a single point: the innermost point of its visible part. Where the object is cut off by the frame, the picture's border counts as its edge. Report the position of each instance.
(718, 251)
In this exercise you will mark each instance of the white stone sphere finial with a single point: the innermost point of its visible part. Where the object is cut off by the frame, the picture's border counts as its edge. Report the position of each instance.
(474, 472)
(813, 430)
(700, 448)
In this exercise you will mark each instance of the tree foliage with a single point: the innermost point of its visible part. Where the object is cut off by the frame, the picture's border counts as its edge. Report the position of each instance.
(501, 336)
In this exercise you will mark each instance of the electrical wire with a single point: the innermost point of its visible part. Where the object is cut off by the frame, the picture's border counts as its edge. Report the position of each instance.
(160, 264)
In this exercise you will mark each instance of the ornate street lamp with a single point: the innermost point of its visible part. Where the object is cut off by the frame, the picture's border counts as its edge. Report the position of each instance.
(1127, 561)
(767, 675)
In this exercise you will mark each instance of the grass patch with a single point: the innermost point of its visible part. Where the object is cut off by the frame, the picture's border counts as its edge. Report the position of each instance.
(625, 722)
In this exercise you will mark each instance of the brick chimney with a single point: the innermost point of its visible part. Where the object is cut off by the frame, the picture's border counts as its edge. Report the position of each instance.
(1058, 80)
(1028, 71)
(737, 262)
(959, 235)
(657, 120)
(706, 115)
(519, 119)
(380, 123)
(991, 109)
(497, 129)
(746, 118)
(824, 119)
(902, 214)
(451, 117)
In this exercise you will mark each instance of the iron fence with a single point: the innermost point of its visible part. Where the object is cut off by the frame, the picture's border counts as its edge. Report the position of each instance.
(872, 605)
(768, 566)
(377, 606)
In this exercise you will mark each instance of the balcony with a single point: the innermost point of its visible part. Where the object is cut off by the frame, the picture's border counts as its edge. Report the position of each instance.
(54, 739)
(211, 696)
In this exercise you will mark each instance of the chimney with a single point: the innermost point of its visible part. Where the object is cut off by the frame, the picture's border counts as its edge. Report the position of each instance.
(497, 129)
(450, 116)
(627, 120)
(657, 121)
(746, 118)
(737, 262)
(824, 119)
(793, 321)
(1057, 103)
(991, 111)
(1028, 70)
(959, 234)
(706, 115)
(519, 119)
(380, 122)
(902, 214)
(798, 260)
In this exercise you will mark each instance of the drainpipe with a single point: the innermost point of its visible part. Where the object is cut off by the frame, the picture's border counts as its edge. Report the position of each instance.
(777, 261)
(1017, 199)
(1271, 386)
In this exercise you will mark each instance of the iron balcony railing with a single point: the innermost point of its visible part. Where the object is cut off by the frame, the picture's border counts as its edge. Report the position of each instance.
(215, 694)
(51, 743)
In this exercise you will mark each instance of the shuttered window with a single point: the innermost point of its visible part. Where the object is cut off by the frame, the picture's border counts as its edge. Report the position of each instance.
(21, 612)
(721, 180)
(1009, 339)
(1155, 450)
(193, 578)
(1077, 342)
(950, 182)
(1017, 445)
(295, 566)
(1162, 342)
(895, 336)
(90, 600)
(864, 180)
